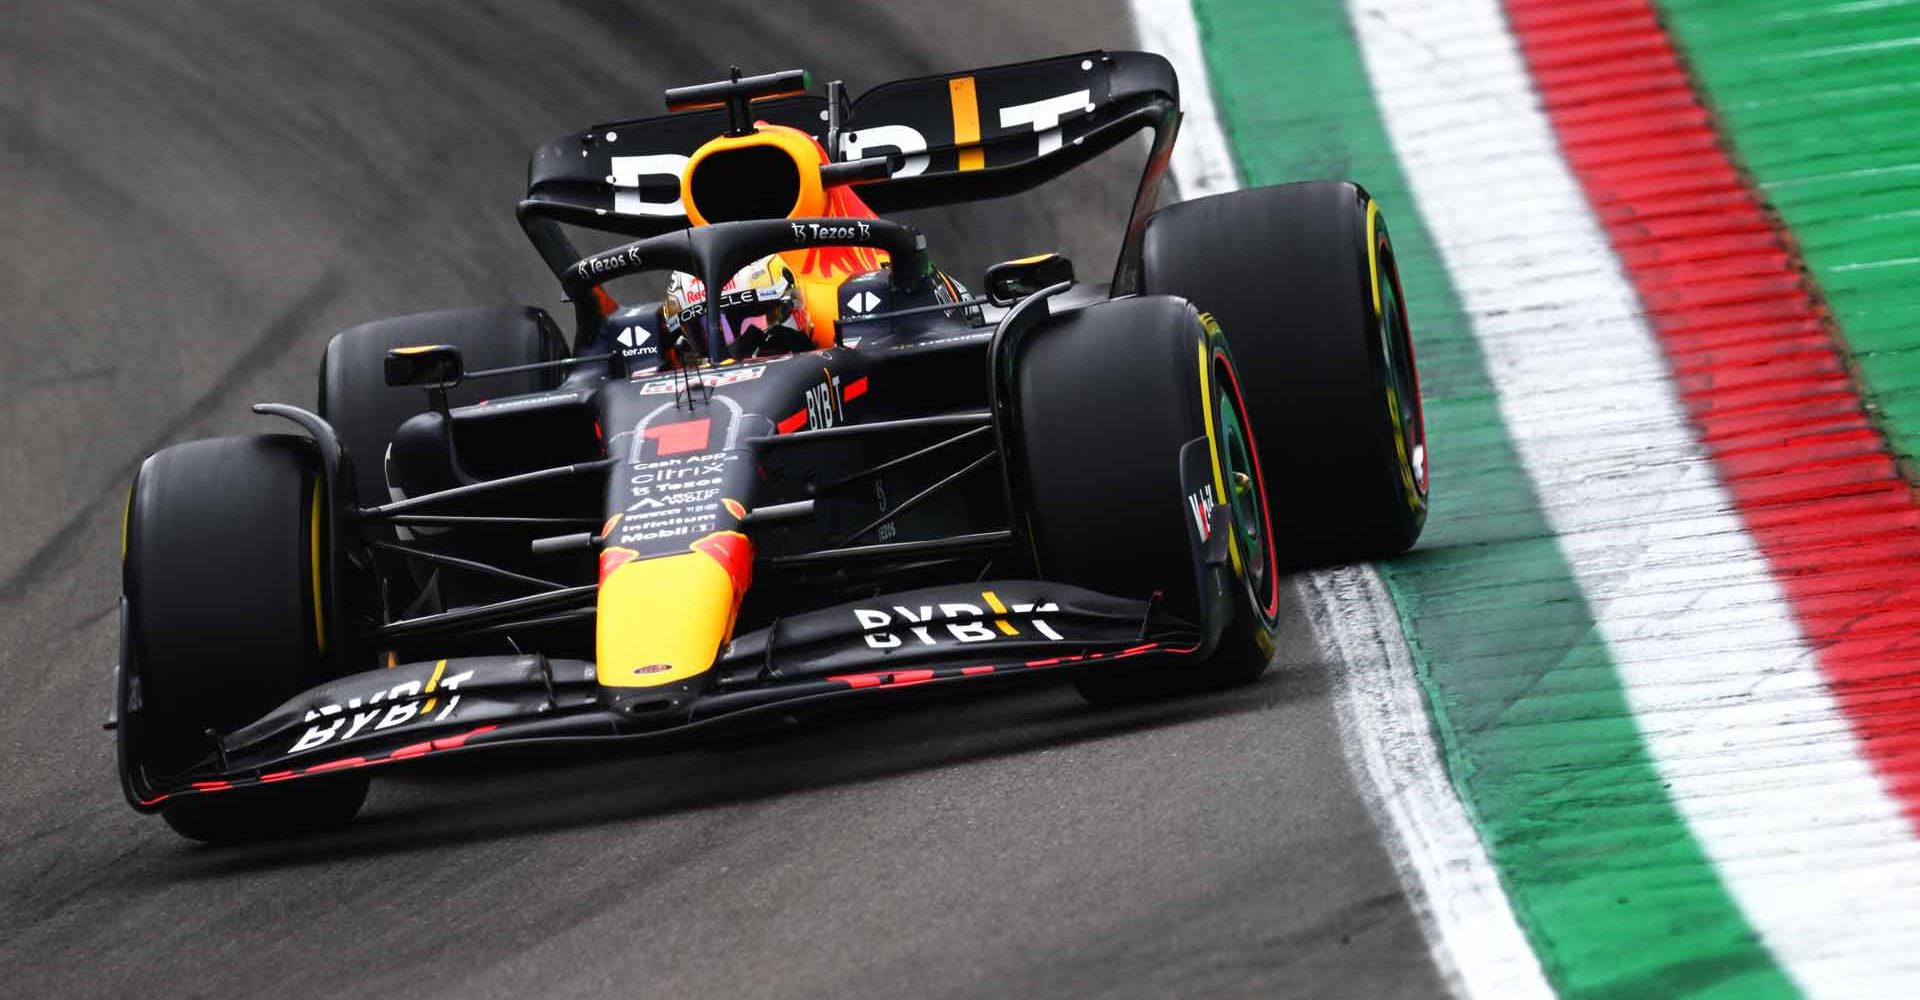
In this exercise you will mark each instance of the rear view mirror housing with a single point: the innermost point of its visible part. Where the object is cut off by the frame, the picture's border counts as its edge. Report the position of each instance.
(429, 366)
(1014, 280)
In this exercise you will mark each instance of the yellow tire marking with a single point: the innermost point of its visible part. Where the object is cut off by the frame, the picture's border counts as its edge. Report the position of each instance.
(1373, 252)
(313, 533)
(966, 122)
(1213, 444)
(1393, 395)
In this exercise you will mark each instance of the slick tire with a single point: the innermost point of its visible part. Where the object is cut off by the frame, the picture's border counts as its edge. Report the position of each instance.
(1106, 396)
(1303, 279)
(222, 573)
(365, 411)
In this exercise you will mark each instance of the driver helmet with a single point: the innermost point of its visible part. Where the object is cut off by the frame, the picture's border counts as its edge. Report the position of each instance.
(762, 311)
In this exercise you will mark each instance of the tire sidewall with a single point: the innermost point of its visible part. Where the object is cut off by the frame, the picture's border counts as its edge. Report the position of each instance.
(1253, 633)
(177, 707)
(1408, 475)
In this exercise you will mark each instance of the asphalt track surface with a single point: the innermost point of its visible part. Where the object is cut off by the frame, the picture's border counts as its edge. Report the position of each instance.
(198, 196)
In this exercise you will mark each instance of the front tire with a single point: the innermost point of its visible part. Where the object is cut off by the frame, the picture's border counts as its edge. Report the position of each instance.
(1107, 397)
(1304, 280)
(224, 580)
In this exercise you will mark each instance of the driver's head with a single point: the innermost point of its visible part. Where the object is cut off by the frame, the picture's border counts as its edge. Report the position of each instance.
(761, 311)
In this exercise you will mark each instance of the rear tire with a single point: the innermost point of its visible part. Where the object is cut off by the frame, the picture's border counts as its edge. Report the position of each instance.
(1107, 396)
(1304, 281)
(365, 411)
(225, 551)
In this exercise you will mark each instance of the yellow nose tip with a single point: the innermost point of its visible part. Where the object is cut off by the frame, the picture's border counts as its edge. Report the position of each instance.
(662, 620)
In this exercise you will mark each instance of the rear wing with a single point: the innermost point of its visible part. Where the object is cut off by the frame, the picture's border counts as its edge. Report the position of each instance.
(965, 136)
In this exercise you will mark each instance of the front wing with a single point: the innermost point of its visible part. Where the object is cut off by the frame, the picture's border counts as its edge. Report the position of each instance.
(929, 639)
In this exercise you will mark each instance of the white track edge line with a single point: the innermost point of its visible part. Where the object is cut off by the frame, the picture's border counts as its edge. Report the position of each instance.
(1386, 734)
(1202, 160)
(1388, 739)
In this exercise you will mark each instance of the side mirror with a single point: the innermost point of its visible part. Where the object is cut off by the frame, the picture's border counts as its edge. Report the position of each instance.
(430, 366)
(1016, 279)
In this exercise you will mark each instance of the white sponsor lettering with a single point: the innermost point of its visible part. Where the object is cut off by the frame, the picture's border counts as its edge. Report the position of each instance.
(1045, 116)
(972, 631)
(643, 491)
(710, 379)
(401, 705)
(929, 625)
(605, 263)
(815, 232)
(902, 139)
(823, 404)
(1200, 504)
(629, 171)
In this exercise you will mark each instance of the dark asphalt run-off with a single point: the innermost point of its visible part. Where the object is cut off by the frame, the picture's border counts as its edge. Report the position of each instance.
(200, 195)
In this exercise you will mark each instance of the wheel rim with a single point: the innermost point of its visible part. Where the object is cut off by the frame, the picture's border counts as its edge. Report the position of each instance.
(1402, 381)
(1245, 489)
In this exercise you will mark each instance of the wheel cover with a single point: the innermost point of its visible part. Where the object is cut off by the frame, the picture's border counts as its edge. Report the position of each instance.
(1242, 496)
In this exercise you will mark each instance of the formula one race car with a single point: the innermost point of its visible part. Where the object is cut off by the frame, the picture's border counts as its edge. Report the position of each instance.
(821, 470)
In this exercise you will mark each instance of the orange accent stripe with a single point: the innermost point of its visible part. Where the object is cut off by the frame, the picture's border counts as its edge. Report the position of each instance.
(966, 122)
(707, 105)
(613, 557)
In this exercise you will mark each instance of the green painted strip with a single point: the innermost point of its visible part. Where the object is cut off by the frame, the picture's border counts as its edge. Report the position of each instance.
(1822, 103)
(1613, 891)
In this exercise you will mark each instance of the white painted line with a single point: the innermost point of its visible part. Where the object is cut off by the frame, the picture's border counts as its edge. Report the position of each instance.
(1759, 759)
(1202, 161)
(1441, 864)
(1395, 761)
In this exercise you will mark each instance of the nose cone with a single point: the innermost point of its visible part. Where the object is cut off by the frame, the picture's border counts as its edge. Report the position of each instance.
(664, 619)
